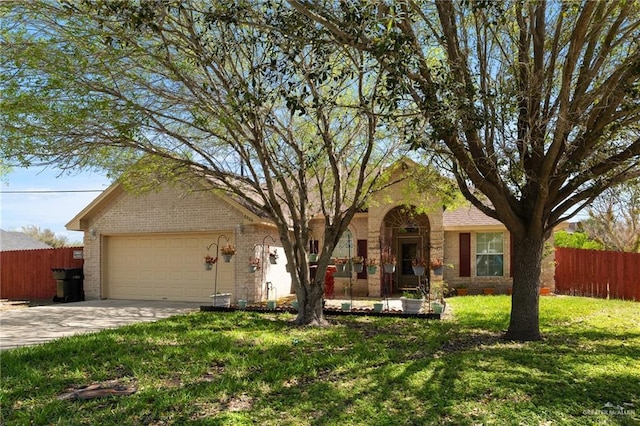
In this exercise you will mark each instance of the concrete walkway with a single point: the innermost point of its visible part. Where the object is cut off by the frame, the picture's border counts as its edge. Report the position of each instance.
(30, 326)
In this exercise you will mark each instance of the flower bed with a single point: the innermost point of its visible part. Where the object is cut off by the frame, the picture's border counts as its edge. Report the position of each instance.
(327, 311)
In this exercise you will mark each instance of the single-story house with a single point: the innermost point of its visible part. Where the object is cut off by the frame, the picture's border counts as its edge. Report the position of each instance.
(13, 240)
(153, 245)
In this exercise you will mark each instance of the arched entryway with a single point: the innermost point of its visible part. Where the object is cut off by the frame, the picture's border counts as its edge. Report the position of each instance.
(405, 234)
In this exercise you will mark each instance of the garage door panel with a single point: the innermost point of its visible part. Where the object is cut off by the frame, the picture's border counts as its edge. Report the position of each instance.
(131, 243)
(183, 276)
(194, 244)
(159, 243)
(162, 268)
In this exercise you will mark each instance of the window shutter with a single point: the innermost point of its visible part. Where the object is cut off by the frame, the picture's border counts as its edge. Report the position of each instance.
(465, 254)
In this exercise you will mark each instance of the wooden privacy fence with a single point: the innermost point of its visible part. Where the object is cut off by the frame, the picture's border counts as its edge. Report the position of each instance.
(598, 273)
(26, 274)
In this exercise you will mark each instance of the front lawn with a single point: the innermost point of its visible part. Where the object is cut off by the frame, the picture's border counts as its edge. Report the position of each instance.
(249, 368)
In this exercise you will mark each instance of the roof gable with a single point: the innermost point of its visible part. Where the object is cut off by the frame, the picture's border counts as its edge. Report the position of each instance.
(81, 221)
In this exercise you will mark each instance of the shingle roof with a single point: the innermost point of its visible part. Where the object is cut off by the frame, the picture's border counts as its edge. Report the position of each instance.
(467, 216)
(19, 241)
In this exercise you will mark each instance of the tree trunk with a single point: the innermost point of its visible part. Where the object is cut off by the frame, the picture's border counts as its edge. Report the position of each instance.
(310, 309)
(310, 299)
(525, 322)
(310, 289)
(311, 293)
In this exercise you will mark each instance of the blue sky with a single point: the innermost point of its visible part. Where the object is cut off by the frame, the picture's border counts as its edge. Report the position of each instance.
(51, 210)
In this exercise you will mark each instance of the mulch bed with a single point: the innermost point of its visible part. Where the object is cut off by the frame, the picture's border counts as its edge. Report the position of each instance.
(337, 312)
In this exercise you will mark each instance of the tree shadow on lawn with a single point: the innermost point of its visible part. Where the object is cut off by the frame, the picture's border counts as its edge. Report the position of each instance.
(478, 375)
(522, 382)
(486, 379)
(277, 366)
(255, 366)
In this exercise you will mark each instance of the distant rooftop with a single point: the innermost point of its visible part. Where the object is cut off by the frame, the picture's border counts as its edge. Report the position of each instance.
(10, 240)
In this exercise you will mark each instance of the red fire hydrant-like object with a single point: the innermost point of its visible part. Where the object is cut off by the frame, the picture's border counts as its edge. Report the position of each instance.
(329, 282)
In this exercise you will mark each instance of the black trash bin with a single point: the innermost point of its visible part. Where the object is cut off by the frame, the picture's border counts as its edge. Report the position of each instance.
(69, 284)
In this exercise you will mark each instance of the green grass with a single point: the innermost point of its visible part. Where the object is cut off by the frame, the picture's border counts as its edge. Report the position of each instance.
(247, 368)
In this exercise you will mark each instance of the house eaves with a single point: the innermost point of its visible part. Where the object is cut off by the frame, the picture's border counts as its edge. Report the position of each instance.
(82, 220)
(248, 215)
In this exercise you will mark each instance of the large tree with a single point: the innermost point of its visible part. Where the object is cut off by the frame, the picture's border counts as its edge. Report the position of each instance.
(270, 112)
(536, 104)
(614, 218)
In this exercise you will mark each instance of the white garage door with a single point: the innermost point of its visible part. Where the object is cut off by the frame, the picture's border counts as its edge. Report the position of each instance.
(163, 267)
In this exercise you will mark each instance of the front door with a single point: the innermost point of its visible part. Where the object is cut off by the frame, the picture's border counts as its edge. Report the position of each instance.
(408, 250)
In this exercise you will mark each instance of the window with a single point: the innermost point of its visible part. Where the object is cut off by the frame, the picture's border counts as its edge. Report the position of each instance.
(489, 254)
(345, 249)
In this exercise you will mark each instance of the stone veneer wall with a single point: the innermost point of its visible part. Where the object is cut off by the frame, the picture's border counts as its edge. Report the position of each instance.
(387, 200)
(368, 226)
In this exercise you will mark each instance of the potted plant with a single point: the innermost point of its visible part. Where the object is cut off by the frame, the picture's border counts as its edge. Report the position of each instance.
(372, 266)
(273, 256)
(340, 262)
(389, 263)
(439, 290)
(271, 305)
(436, 266)
(437, 307)
(378, 306)
(462, 290)
(346, 306)
(488, 290)
(419, 266)
(209, 261)
(411, 302)
(254, 264)
(221, 299)
(227, 252)
(358, 264)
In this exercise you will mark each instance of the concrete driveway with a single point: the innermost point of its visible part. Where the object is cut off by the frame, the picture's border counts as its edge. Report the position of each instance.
(30, 326)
